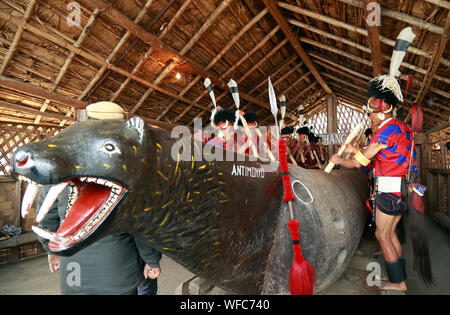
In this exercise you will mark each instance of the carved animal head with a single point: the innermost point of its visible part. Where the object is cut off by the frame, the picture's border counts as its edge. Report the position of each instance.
(101, 163)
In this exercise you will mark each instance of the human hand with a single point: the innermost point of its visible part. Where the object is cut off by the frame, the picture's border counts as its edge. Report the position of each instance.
(150, 272)
(53, 262)
(336, 159)
(353, 149)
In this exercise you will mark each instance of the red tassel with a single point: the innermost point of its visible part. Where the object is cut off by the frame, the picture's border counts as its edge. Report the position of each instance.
(416, 118)
(288, 194)
(282, 155)
(409, 83)
(302, 278)
(369, 206)
(418, 203)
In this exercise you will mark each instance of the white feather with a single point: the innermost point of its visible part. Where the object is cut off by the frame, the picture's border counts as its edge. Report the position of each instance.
(397, 56)
(273, 104)
(282, 106)
(207, 84)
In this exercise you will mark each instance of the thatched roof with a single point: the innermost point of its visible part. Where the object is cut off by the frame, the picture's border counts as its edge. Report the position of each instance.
(130, 51)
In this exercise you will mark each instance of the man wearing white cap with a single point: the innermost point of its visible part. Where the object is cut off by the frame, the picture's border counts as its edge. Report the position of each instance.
(113, 264)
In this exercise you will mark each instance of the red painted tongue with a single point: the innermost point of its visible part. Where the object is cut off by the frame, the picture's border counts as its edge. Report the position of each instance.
(90, 199)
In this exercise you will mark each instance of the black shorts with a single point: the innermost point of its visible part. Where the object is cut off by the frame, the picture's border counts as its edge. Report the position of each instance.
(389, 203)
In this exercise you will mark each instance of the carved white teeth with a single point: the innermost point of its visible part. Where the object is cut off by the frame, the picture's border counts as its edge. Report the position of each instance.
(55, 238)
(49, 200)
(33, 189)
(100, 181)
(28, 198)
(26, 179)
(99, 216)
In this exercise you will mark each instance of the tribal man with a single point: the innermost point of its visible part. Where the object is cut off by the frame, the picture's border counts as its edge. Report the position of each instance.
(391, 147)
(223, 119)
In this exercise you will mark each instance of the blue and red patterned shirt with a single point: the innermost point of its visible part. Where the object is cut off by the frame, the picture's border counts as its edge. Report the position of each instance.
(219, 142)
(394, 159)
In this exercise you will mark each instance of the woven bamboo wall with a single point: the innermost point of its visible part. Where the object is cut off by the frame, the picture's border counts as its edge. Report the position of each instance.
(438, 174)
(14, 135)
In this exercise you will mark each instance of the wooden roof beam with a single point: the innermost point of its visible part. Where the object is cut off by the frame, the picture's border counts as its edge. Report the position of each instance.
(440, 3)
(276, 82)
(349, 27)
(281, 21)
(29, 89)
(32, 111)
(366, 62)
(364, 82)
(343, 53)
(434, 63)
(303, 92)
(316, 106)
(340, 67)
(400, 16)
(292, 86)
(17, 36)
(101, 74)
(152, 40)
(147, 54)
(246, 74)
(66, 65)
(229, 44)
(147, 37)
(93, 58)
(223, 5)
(406, 107)
(263, 79)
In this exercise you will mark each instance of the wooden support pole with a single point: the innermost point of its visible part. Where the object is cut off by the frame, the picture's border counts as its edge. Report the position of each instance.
(374, 41)
(331, 120)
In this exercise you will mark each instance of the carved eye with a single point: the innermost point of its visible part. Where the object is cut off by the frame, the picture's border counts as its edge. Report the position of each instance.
(110, 148)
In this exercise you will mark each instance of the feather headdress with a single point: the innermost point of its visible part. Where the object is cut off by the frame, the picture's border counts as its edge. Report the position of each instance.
(386, 87)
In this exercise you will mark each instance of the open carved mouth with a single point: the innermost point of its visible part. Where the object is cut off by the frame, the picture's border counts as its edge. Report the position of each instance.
(90, 201)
